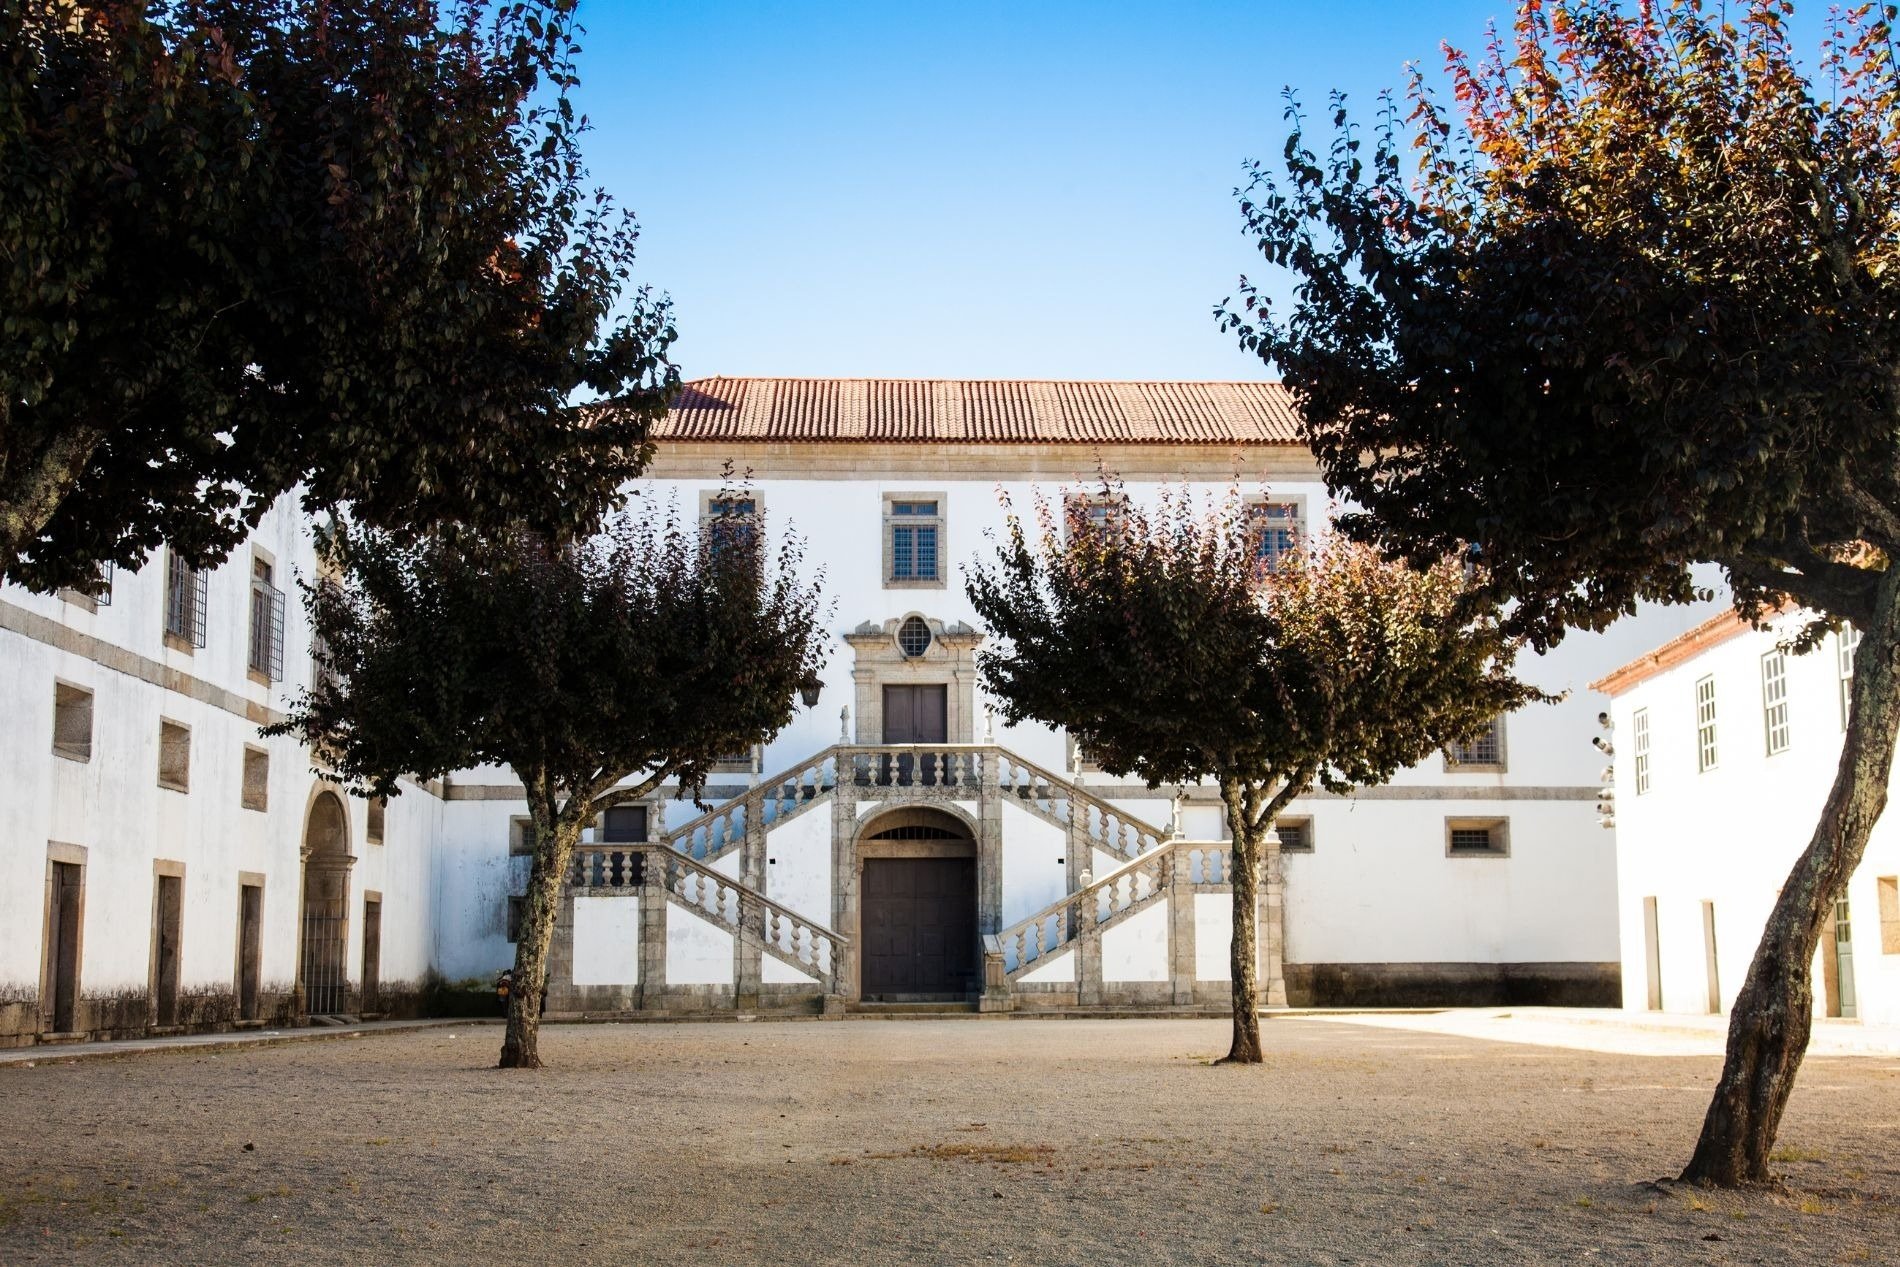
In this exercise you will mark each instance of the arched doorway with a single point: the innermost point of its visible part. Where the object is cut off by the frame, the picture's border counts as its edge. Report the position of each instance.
(326, 906)
(917, 871)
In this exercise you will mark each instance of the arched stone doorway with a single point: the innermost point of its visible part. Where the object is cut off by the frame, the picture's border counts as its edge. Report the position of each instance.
(917, 878)
(326, 906)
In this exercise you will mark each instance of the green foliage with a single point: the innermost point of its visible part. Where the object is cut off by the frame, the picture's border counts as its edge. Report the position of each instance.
(1171, 651)
(647, 650)
(250, 246)
(1631, 307)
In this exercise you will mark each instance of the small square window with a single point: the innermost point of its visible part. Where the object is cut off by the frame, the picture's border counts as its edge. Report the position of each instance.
(1477, 837)
(174, 756)
(256, 791)
(373, 819)
(1101, 514)
(520, 836)
(72, 721)
(1482, 754)
(1296, 835)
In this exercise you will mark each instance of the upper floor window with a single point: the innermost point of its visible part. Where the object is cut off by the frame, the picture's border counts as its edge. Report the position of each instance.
(1705, 724)
(1848, 641)
(95, 593)
(1103, 515)
(267, 623)
(72, 721)
(187, 591)
(1639, 727)
(1484, 752)
(913, 540)
(624, 824)
(1273, 530)
(1774, 701)
(729, 519)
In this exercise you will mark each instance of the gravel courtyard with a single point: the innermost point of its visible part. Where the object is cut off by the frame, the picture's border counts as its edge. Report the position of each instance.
(942, 1141)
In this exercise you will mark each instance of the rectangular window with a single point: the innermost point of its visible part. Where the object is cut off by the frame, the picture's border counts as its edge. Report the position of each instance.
(72, 721)
(95, 593)
(1477, 837)
(913, 540)
(373, 817)
(1102, 515)
(1705, 724)
(186, 593)
(1483, 753)
(174, 756)
(1296, 834)
(517, 912)
(520, 836)
(1774, 701)
(1639, 726)
(1847, 642)
(1888, 888)
(729, 520)
(624, 824)
(256, 790)
(267, 623)
(1273, 528)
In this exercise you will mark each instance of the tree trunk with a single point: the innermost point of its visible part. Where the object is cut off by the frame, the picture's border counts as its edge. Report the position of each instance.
(1769, 1026)
(33, 484)
(554, 840)
(1244, 964)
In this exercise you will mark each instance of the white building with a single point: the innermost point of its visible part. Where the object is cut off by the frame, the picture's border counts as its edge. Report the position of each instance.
(1726, 746)
(167, 867)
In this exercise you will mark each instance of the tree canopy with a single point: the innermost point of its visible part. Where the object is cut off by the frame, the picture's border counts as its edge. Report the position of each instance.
(1173, 645)
(250, 246)
(1628, 305)
(596, 670)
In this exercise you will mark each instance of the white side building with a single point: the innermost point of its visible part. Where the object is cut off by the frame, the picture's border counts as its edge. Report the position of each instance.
(1726, 746)
(888, 845)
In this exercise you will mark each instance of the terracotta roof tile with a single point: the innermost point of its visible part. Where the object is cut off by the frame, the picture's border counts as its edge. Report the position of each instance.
(980, 411)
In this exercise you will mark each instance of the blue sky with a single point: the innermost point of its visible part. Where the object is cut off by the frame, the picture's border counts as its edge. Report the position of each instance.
(971, 190)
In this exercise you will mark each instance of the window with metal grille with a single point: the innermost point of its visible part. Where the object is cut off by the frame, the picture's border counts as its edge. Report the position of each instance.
(1273, 529)
(95, 593)
(914, 535)
(323, 675)
(1774, 701)
(1639, 727)
(72, 721)
(267, 623)
(1103, 515)
(913, 637)
(1705, 724)
(1296, 835)
(1488, 836)
(186, 593)
(174, 756)
(1847, 642)
(624, 824)
(1484, 752)
(255, 793)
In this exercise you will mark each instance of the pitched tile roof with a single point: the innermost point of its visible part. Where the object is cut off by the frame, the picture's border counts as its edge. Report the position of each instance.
(980, 411)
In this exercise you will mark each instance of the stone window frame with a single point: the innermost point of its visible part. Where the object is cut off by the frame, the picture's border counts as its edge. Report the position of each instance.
(519, 843)
(1498, 826)
(1253, 502)
(264, 637)
(254, 794)
(892, 521)
(171, 784)
(164, 869)
(1070, 503)
(68, 695)
(1304, 822)
(708, 497)
(1457, 765)
(652, 818)
(92, 597)
(187, 601)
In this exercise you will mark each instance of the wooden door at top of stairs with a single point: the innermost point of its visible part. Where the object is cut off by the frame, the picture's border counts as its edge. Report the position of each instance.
(919, 927)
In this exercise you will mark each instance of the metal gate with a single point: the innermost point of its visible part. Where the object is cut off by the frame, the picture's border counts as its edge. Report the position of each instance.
(326, 924)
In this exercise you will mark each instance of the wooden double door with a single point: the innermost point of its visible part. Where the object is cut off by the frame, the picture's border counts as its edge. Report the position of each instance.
(919, 922)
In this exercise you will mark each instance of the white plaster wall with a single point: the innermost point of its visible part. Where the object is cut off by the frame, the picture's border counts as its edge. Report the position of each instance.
(1137, 948)
(607, 940)
(474, 877)
(798, 864)
(1058, 970)
(1730, 834)
(1035, 863)
(698, 952)
(777, 972)
(1213, 936)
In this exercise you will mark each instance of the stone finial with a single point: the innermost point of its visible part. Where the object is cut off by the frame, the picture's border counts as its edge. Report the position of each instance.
(989, 723)
(1178, 827)
(844, 724)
